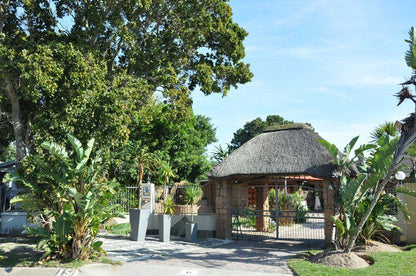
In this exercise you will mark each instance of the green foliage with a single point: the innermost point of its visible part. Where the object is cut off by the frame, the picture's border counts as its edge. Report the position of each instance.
(8, 152)
(91, 75)
(220, 153)
(180, 143)
(169, 205)
(254, 128)
(386, 128)
(356, 190)
(410, 55)
(68, 190)
(289, 204)
(193, 193)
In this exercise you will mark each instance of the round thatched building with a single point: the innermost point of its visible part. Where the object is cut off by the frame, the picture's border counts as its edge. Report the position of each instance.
(289, 151)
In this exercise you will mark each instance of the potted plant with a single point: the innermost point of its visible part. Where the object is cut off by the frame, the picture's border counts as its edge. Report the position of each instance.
(193, 193)
(165, 218)
(139, 218)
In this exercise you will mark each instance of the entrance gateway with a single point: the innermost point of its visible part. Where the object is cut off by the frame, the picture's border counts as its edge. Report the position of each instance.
(260, 165)
(296, 214)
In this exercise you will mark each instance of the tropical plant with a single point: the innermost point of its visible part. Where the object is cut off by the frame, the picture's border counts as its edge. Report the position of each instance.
(71, 194)
(167, 172)
(407, 138)
(220, 153)
(387, 128)
(193, 193)
(359, 189)
(169, 205)
(290, 204)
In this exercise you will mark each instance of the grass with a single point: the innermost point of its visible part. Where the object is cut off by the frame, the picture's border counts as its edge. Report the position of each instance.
(385, 263)
(22, 252)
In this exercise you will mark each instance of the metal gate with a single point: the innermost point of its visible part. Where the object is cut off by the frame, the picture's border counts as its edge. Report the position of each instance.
(279, 210)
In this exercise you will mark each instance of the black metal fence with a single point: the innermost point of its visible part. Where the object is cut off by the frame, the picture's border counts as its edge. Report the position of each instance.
(251, 222)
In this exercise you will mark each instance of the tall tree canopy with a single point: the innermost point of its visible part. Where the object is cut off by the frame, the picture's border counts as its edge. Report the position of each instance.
(89, 67)
(180, 143)
(254, 128)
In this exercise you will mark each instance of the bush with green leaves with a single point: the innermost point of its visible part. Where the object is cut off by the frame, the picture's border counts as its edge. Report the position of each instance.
(69, 193)
(289, 204)
(193, 193)
(359, 178)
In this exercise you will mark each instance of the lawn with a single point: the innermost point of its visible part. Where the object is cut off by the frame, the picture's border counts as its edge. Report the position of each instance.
(385, 263)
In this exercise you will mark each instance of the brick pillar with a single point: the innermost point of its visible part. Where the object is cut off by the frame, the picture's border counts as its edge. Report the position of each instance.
(262, 204)
(329, 211)
(223, 204)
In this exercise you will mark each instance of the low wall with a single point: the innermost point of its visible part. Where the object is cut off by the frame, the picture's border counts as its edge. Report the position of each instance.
(12, 222)
(206, 222)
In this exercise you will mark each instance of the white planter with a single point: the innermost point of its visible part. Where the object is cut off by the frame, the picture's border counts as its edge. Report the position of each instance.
(12, 222)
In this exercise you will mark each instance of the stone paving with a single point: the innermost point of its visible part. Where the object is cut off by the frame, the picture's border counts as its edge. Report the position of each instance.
(268, 256)
(121, 248)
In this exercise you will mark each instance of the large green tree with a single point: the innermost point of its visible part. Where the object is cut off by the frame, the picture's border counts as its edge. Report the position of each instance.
(179, 142)
(88, 66)
(254, 128)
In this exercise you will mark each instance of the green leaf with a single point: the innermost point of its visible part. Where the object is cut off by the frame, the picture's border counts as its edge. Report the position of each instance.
(77, 146)
(410, 55)
(63, 225)
(120, 229)
(350, 145)
(339, 225)
(332, 149)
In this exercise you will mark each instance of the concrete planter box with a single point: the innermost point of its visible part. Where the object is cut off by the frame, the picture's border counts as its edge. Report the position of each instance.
(139, 218)
(12, 222)
(164, 222)
(191, 230)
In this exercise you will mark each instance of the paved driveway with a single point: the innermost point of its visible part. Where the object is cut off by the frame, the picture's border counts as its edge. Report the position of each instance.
(215, 257)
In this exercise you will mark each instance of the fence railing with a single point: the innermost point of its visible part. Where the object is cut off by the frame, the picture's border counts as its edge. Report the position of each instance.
(127, 198)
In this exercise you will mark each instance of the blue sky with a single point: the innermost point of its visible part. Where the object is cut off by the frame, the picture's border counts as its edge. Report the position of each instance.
(334, 64)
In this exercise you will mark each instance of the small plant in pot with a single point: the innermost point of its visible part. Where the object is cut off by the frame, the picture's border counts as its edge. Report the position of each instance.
(164, 219)
(193, 193)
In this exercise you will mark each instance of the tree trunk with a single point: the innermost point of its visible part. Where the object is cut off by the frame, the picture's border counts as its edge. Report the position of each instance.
(18, 127)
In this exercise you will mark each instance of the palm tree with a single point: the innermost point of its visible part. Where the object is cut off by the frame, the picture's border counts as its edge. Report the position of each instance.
(387, 128)
(220, 153)
(167, 172)
(144, 161)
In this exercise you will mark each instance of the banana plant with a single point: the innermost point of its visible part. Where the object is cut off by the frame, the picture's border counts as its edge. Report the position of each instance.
(77, 201)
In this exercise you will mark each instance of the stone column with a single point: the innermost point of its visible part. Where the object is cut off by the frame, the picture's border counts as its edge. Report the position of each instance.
(329, 211)
(223, 208)
(262, 208)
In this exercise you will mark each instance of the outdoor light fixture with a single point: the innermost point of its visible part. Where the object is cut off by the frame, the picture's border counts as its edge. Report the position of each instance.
(219, 184)
(400, 175)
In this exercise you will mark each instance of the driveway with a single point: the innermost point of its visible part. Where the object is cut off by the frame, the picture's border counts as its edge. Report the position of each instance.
(215, 257)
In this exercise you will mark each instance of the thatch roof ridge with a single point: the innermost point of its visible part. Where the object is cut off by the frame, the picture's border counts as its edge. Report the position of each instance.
(291, 150)
(286, 126)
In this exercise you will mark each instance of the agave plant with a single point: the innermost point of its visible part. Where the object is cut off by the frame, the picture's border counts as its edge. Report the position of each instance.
(76, 202)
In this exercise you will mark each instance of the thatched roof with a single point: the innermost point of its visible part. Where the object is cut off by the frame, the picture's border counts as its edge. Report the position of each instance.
(280, 150)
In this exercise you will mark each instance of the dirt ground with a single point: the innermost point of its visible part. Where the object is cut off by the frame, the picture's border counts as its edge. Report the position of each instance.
(355, 259)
